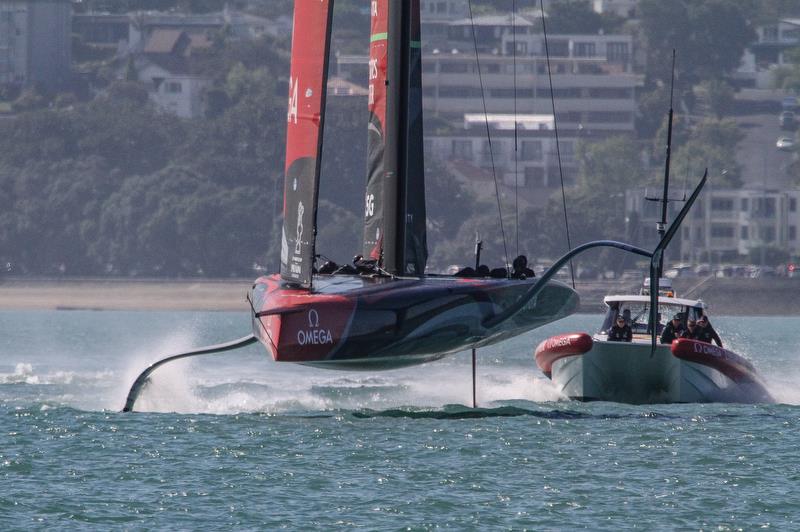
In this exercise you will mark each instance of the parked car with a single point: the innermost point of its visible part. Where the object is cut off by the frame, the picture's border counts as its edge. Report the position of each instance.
(787, 120)
(785, 144)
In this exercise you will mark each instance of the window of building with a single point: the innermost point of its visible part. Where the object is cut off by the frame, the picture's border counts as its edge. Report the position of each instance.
(173, 87)
(522, 48)
(792, 233)
(771, 33)
(609, 117)
(721, 204)
(764, 207)
(459, 92)
(531, 150)
(744, 232)
(744, 205)
(792, 204)
(721, 231)
(509, 93)
(566, 92)
(454, 68)
(462, 149)
(611, 93)
(617, 52)
(584, 49)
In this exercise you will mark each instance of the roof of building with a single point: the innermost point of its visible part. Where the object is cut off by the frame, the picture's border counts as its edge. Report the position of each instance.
(162, 41)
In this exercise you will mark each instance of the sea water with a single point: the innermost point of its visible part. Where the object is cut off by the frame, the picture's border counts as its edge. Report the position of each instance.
(238, 441)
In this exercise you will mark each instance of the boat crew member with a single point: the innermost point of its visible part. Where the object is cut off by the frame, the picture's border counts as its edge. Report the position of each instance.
(673, 330)
(706, 333)
(691, 331)
(520, 268)
(626, 315)
(620, 332)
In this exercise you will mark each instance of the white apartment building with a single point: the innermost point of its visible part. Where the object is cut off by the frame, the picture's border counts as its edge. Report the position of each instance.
(726, 224)
(35, 42)
(535, 163)
(593, 80)
(761, 58)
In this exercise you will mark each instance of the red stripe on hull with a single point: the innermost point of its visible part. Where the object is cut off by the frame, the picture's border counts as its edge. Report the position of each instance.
(560, 346)
(733, 366)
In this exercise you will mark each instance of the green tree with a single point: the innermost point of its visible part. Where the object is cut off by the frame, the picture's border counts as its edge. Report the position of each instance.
(709, 36)
(578, 17)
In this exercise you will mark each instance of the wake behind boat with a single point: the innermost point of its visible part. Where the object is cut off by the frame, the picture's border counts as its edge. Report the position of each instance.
(597, 368)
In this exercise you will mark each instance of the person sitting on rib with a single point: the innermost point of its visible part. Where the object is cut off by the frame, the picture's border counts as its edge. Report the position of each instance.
(620, 332)
(673, 330)
(706, 333)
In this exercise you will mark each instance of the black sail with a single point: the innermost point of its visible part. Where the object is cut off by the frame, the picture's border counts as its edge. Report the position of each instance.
(394, 222)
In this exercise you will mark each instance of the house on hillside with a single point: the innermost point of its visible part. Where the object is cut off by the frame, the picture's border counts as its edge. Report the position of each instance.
(767, 53)
(175, 84)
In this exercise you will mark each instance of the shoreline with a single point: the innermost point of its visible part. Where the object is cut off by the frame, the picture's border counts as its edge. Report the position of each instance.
(734, 297)
(125, 294)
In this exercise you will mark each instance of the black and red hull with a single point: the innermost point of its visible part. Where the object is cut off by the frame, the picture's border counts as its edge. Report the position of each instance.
(354, 322)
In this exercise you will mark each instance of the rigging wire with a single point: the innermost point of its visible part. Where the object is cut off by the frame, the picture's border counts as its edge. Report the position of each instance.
(558, 148)
(488, 135)
(516, 140)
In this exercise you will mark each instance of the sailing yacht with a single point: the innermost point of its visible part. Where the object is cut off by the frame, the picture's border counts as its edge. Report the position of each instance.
(392, 313)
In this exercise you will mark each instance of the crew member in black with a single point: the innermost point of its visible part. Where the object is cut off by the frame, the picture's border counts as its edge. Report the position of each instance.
(620, 332)
(691, 331)
(673, 330)
(520, 268)
(706, 333)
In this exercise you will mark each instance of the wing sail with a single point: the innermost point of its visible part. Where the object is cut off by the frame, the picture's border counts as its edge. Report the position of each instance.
(305, 117)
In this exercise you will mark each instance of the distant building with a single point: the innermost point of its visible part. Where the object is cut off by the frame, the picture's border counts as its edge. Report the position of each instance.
(165, 66)
(35, 43)
(528, 165)
(766, 54)
(726, 224)
(594, 81)
(130, 32)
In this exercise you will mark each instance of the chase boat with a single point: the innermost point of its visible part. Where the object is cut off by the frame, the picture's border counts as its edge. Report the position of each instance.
(591, 368)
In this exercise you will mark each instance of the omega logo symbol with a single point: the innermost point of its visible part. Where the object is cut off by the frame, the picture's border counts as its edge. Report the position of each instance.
(313, 318)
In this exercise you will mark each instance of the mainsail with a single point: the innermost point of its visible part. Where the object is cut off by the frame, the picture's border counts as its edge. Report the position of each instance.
(394, 218)
(307, 84)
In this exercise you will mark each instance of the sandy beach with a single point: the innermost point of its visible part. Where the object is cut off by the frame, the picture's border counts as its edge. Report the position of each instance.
(768, 297)
(124, 295)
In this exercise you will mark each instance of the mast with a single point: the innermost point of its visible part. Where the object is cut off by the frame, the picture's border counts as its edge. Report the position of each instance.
(305, 120)
(662, 225)
(394, 225)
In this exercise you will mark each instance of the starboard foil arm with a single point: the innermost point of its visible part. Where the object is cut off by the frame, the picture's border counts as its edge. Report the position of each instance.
(142, 379)
(537, 287)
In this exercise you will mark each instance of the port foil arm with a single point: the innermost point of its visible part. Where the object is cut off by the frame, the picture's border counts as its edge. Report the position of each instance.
(143, 377)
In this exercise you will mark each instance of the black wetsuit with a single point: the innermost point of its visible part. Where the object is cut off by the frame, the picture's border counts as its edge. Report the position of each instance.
(671, 332)
(707, 334)
(620, 334)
